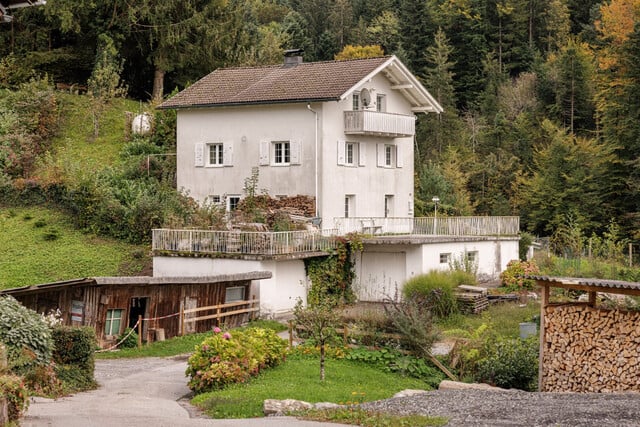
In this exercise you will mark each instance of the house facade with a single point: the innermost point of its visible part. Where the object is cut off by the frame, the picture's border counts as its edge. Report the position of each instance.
(338, 131)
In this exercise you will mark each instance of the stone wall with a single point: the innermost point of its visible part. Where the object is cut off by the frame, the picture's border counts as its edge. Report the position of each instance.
(589, 349)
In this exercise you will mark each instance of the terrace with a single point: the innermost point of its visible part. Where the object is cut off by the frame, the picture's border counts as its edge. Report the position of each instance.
(311, 243)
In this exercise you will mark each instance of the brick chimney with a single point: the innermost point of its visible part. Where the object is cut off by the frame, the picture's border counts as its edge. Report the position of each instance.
(293, 57)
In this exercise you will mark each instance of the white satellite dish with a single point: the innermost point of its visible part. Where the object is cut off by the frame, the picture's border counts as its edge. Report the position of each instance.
(365, 95)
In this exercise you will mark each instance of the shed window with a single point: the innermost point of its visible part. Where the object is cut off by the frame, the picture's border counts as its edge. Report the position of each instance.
(472, 256)
(114, 319)
(445, 258)
(234, 294)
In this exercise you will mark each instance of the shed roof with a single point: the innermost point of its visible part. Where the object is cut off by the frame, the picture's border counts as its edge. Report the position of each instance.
(588, 284)
(138, 281)
(304, 82)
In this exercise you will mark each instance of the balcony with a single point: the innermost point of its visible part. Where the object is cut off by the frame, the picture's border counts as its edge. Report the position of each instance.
(365, 122)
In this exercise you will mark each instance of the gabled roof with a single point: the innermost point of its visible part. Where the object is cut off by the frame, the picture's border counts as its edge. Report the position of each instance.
(304, 82)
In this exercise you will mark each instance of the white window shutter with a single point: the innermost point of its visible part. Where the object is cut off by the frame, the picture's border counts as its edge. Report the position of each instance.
(296, 152)
(341, 150)
(362, 154)
(199, 154)
(264, 153)
(399, 159)
(228, 153)
(381, 155)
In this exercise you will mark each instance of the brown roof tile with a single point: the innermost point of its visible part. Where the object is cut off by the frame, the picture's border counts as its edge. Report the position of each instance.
(310, 81)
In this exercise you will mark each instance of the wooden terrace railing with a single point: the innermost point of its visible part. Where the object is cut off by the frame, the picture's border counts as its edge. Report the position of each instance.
(436, 226)
(243, 242)
(369, 122)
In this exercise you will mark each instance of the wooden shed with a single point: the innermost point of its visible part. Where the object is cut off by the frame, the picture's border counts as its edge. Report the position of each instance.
(166, 306)
(585, 347)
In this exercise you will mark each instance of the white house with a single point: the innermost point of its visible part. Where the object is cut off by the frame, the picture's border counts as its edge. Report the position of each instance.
(341, 132)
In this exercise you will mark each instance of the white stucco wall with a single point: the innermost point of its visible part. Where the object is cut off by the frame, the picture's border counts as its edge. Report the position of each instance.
(277, 295)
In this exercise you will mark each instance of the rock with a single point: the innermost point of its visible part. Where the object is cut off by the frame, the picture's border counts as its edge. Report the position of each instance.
(321, 406)
(457, 385)
(280, 407)
(409, 392)
(141, 124)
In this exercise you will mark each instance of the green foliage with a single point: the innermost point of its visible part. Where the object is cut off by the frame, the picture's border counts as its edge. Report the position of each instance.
(129, 338)
(332, 277)
(436, 290)
(511, 363)
(227, 358)
(526, 239)
(26, 335)
(73, 355)
(413, 320)
(14, 390)
(512, 277)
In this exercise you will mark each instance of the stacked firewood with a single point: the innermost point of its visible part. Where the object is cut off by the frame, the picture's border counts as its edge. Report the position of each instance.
(591, 350)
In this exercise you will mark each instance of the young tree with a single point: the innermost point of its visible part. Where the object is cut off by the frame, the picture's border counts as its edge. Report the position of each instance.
(104, 84)
(319, 321)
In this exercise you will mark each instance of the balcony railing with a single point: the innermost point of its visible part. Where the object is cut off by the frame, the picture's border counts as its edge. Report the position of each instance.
(440, 226)
(243, 242)
(365, 122)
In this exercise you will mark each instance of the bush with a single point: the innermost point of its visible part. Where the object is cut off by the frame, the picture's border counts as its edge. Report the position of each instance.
(129, 339)
(26, 335)
(74, 357)
(511, 363)
(12, 387)
(512, 278)
(436, 290)
(226, 358)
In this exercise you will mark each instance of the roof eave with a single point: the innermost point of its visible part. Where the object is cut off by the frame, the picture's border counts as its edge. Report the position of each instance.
(246, 103)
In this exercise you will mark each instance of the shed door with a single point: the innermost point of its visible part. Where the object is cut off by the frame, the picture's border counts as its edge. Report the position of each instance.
(138, 307)
(381, 275)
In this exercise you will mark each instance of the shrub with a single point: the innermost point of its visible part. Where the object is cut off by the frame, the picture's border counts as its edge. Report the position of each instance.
(436, 290)
(511, 363)
(13, 388)
(413, 320)
(129, 339)
(512, 278)
(74, 357)
(227, 358)
(25, 333)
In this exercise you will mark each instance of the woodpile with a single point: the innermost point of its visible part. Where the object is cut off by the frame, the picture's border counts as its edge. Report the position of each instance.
(590, 350)
(472, 299)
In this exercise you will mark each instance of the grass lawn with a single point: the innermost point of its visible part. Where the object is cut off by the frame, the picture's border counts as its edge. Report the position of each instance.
(31, 254)
(298, 378)
(170, 347)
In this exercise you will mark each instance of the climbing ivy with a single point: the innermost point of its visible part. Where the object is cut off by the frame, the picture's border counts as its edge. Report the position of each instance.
(332, 276)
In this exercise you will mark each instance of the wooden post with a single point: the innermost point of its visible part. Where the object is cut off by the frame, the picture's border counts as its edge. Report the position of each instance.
(4, 411)
(181, 318)
(345, 335)
(139, 331)
(630, 255)
(543, 305)
(592, 299)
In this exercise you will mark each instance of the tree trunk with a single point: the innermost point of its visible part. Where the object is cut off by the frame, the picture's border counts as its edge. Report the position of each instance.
(322, 362)
(158, 85)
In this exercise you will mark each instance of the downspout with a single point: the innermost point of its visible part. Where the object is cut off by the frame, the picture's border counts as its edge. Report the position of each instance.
(316, 157)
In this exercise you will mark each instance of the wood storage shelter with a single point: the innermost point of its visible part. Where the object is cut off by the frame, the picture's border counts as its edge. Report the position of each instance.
(585, 347)
(168, 306)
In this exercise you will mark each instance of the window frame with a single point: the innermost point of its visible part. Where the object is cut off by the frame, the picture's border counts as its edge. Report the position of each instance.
(110, 319)
(356, 104)
(231, 206)
(471, 256)
(381, 103)
(228, 300)
(349, 205)
(218, 160)
(388, 155)
(445, 257)
(281, 153)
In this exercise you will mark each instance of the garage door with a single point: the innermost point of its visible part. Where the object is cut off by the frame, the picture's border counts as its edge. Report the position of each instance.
(380, 275)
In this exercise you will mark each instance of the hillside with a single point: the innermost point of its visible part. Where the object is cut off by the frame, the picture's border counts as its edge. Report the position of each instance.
(41, 244)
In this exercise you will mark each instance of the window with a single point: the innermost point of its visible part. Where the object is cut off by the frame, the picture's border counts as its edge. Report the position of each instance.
(215, 198)
(388, 155)
(388, 205)
(350, 151)
(216, 154)
(281, 153)
(112, 325)
(381, 103)
(234, 294)
(349, 201)
(472, 256)
(356, 101)
(232, 202)
(445, 258)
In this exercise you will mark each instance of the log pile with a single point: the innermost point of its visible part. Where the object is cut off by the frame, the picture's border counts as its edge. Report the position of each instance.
(472, 299)
(591, 350)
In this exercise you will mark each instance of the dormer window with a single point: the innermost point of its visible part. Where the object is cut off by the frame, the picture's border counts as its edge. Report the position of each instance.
(356, 101)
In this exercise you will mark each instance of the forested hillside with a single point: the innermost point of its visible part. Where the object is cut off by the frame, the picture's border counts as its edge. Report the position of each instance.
(541, 97)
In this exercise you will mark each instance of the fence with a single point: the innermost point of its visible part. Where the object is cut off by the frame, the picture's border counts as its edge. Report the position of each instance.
(252, 307)
(244, 242)
(437, 226)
